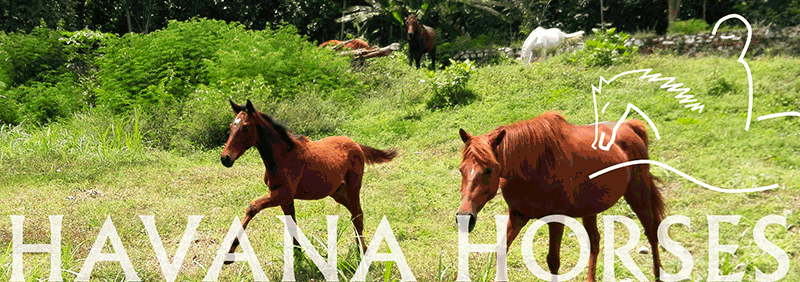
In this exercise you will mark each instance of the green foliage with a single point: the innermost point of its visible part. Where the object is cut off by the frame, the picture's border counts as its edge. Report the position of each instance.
(163, 68)
(81, 49)
(607, 48)
(719, 86)
(8, 111)
(37, 56)
(449, 87)
(284, 59)
(41, 102)
(153, 70)
(692, 26)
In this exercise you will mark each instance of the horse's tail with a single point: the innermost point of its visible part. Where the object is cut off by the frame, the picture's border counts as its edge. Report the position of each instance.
(647, 179)
(638, 127)
(375, 156)
(569, 35)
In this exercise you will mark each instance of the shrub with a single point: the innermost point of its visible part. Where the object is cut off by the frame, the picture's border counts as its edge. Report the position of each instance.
(607, 48)
(692, 26)
(449, 87)
(163, 68)
(157, 69)
(283, 58)
(81, 49)
(37, 56)
(8, 111)
(41, 102)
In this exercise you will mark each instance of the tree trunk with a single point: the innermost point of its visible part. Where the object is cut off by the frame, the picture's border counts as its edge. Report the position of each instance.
(674, 9)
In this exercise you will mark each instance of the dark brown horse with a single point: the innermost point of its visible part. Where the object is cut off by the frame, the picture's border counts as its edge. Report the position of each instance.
(297, 168)
(421, 40)
(543, 165)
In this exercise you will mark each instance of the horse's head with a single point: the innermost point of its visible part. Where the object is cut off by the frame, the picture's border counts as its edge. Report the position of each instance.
(411, 25)
(243, 132)
(480, 172)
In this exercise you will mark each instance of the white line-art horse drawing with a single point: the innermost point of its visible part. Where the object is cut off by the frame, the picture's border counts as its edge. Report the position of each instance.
(543, 39)
(599, 139)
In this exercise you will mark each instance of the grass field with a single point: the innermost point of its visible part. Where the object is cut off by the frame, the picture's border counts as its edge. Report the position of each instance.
(89, 168)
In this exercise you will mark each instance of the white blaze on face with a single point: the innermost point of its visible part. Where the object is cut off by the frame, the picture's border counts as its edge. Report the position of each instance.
(237, 121)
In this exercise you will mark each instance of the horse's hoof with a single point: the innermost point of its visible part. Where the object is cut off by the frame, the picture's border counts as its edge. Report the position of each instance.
(227, 262)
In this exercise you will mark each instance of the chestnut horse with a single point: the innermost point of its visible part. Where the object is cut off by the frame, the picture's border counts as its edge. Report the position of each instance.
(421, 40)
(297, 168)
(543, 165)
(352, 44)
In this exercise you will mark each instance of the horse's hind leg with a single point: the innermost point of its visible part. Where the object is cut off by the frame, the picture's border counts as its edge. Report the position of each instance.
(554, 254)
(641, 205)
(590, 223)
(349, 196)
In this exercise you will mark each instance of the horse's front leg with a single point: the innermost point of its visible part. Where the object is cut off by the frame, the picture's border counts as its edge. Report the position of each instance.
(515, 223)
(279, 195)
(554, 253)
(288, 209)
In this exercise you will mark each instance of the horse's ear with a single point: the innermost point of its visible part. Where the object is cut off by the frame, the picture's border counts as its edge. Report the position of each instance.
(499, 138)
(250, 108)
(464, 135)
(236, 107)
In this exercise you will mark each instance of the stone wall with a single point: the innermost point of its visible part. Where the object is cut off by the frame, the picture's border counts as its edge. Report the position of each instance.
(765, 41)
(772, 42)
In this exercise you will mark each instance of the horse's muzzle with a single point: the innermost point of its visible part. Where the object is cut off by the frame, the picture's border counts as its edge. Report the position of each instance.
(226, 160)
(472, 219)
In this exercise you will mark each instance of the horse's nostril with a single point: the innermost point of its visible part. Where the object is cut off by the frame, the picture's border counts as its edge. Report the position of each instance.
(226, 161)
(472, 219)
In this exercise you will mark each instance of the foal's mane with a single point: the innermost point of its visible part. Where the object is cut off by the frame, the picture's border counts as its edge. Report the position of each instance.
(541, 136)
(281, 130)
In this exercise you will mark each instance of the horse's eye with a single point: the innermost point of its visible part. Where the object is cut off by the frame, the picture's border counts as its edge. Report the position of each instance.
(487, 171)
(245, 128)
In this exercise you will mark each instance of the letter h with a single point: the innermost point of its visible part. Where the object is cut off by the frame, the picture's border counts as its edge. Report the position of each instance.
(54, 248)
(464, 248)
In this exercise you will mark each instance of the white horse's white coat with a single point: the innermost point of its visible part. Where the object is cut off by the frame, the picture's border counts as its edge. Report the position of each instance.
(543, 39)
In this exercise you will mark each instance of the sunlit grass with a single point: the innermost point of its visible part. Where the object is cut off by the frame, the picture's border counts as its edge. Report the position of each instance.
(91, 166)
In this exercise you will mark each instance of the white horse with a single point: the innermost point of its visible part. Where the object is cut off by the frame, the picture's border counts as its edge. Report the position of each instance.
(543, 39)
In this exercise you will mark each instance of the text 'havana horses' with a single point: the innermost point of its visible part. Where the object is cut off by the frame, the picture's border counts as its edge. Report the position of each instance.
(421, 40)
(297, 168)
(543, 165)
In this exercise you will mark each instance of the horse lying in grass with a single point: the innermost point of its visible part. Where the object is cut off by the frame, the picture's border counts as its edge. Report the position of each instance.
(543, 165)
(543, 39)
(298, 168)
(352, 44)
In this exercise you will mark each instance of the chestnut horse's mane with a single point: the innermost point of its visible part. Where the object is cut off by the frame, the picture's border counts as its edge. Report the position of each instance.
(541, 136)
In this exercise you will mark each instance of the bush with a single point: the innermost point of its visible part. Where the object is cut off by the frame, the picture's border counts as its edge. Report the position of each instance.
(37, 56)
(692, 26)
(607, 48)
(449, 87)
(154, 70)
(8, 111)
(163, 68)
(41, 102)
(283, 58)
